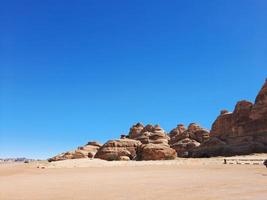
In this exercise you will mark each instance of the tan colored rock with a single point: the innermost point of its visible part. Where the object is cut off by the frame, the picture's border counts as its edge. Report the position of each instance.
(148, 134)
(156, 152)
(87, 151)
(114, 149)
(76, 154)
(124, 158)
(90, 149)
(94, 143)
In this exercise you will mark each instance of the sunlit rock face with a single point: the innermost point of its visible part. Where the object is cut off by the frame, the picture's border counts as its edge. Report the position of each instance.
(122, 149)
(184, 139)
(87, 151)
(148, 134)
(154, 141)
(156, 152)
(243, 131)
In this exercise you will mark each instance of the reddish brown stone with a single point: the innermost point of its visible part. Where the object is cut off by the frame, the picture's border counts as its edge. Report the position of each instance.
(243, 131)
(156, 152)
(148, 134)
(114, 149)
(184, 140)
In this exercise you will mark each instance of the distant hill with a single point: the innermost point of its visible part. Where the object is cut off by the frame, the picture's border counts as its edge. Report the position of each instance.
(16, 160)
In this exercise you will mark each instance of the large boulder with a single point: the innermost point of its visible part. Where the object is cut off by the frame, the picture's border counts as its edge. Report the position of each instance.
(118, 150)
(156, 152)
(183, 146)
(243, 131)
(87, 151)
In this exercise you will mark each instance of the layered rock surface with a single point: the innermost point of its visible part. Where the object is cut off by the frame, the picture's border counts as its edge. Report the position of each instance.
(184, 139)
(156, 152)
(154, 142)
(242, 131)
(122, 149)
(148, 134)
(87, 151)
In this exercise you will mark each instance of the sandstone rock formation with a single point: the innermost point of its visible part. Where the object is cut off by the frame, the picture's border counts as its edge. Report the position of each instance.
(87, 151)
(182, 147)
(148, 134)
(119, 150)
(198, 133)
(156, 152)
(135, 130)
(184, 139)
(154, 142)
(243, 131)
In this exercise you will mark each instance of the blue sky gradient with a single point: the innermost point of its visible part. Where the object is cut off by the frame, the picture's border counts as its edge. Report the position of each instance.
(74, 71)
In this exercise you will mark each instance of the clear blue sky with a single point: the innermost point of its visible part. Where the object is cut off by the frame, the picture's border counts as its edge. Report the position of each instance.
(74, 71)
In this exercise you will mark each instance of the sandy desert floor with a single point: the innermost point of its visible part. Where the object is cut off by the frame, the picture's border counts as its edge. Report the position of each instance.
(85, 179)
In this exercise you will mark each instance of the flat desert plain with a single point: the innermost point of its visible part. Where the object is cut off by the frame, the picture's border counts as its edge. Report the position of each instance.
(85, 179)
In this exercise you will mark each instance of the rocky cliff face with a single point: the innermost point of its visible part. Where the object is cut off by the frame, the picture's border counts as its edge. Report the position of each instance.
(242, 131)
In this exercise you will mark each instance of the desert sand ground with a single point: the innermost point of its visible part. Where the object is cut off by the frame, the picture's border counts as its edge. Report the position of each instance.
(85, 179)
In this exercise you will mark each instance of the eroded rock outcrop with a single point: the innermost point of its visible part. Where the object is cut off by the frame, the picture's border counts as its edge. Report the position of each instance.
(148, 134)
(243, 131)
(154, 142)
(87, 151)
(119, 150)
(156, 152)
(184, 139)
